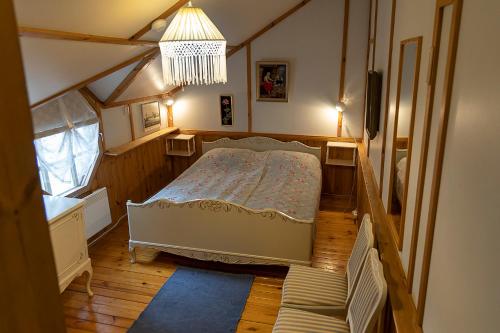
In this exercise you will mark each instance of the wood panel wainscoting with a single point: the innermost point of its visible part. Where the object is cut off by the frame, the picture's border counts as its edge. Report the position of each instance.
(400, 311)
(133, 175)
(138, 172)
(337, 180)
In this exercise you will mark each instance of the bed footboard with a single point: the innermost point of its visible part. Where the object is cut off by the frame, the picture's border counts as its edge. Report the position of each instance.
(220, 231)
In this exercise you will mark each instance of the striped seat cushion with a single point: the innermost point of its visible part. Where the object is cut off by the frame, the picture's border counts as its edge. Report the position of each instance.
(297, 321)
(314, 287)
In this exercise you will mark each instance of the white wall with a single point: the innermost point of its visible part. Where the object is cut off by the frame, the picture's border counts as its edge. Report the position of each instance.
(412, 19)
(311, 41)
(116, 126)
(198, 106)
(116, 123)
(406, 90)
(355, 68)
(463, 293)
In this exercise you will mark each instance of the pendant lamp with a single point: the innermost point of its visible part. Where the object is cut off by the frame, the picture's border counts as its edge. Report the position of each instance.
(193, 51)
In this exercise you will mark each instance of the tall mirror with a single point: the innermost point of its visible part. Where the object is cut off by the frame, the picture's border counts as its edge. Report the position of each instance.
(406, 100)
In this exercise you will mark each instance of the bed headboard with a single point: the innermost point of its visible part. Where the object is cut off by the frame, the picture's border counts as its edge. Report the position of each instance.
(261, 143)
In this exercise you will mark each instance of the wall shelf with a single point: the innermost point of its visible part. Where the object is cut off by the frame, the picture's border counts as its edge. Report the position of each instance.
(180, 145)
(139, 142)
(341, 153)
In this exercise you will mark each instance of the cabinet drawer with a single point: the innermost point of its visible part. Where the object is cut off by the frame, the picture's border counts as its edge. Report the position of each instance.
(68, 241)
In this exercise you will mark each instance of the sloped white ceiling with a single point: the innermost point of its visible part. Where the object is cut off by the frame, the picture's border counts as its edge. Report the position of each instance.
(104, 87)
(148, 82)
(51, 66)
(116, 18)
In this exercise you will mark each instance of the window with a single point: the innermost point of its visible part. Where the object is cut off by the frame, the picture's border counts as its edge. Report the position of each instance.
(66, 143)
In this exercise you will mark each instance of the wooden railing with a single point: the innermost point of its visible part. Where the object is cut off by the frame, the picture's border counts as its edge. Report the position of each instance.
(400, 313)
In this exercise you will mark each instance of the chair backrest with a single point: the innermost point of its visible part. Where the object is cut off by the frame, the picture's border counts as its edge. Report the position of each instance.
(369, 297)
(364, 242)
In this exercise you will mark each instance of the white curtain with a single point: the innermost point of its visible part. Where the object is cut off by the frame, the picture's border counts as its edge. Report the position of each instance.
(66, 142)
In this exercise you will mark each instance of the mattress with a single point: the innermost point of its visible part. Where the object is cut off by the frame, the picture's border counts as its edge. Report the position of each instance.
(286, 181)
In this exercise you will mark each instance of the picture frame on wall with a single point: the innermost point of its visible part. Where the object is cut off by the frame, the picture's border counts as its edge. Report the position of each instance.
(151, 119)
(226, 110)
(272, 81)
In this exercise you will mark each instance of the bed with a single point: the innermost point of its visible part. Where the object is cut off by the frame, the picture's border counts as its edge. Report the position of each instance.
(401, 158)
(246, 201)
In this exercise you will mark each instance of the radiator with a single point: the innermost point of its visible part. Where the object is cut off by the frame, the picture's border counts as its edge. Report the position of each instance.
(97, 213)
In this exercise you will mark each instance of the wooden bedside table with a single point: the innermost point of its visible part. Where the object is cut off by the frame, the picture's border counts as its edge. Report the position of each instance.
(341, 153)
(180, 145)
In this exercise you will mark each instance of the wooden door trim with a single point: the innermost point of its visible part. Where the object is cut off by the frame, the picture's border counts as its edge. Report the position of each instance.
(30, 300)
(441, 141)
(399, 234)
(343, 61)
(368, 48)
(387, 98)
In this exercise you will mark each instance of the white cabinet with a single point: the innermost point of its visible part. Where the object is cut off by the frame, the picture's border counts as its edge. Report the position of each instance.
(69, 244)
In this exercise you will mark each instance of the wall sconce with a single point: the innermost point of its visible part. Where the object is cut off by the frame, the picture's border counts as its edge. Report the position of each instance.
(340, 106)
(169, 101)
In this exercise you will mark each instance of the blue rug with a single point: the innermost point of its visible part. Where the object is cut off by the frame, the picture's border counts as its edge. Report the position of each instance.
(196, 300)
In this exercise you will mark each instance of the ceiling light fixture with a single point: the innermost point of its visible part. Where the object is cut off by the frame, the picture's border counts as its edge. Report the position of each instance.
(193, 50)
(159, 25)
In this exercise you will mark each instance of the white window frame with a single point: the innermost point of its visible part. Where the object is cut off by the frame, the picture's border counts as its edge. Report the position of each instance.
(87, 181)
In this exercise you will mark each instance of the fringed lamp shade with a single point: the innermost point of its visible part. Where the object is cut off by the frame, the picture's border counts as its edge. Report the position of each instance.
(193, 50)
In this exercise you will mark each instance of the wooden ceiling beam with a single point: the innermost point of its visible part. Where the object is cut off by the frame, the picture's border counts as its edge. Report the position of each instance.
(267, 27)
(170, 93)
(97, 76)
(79, 37)
(136, 100)
(93, 100)
(163, 15)
(127, 81)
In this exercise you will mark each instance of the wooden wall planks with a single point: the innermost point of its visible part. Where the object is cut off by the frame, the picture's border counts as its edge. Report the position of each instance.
(134, 175)
(401, 314)
(143, 171)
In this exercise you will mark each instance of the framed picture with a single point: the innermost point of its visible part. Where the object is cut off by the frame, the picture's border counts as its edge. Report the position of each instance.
(272, 81)
(226, 110)
(151, 119)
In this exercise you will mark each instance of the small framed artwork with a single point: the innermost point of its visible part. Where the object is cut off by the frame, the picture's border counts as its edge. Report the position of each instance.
(272, 81)
(151, 119)
(226, 110)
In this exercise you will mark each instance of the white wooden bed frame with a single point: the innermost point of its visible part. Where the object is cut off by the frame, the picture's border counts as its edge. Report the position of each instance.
(222, 231)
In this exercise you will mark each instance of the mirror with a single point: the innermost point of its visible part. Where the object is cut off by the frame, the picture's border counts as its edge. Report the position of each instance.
(406, 100)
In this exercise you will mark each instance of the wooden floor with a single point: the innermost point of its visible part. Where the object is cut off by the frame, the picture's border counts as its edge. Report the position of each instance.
(123, 290)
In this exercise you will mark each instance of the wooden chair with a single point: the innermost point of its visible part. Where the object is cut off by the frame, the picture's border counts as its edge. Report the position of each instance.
(320, 291)
(364, 309)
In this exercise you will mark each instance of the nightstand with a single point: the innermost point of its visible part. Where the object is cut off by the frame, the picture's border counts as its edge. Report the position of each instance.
(341, 153)
(180, 145)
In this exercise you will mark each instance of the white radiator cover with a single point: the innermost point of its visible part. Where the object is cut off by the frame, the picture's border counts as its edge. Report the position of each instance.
(97, 213)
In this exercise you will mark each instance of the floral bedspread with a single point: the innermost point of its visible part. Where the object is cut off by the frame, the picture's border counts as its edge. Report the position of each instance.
(289, 182)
